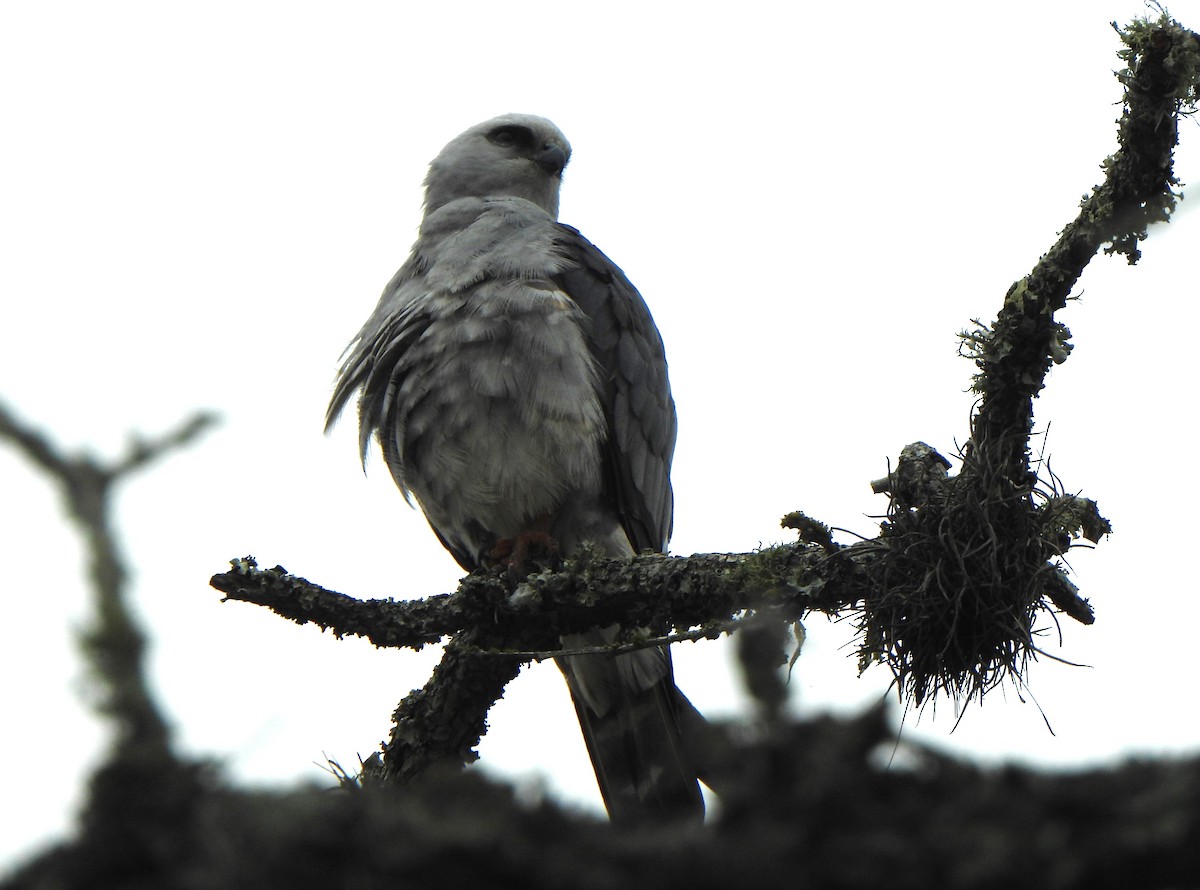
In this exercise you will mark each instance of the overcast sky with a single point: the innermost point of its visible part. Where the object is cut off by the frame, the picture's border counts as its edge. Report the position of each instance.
(199, 205)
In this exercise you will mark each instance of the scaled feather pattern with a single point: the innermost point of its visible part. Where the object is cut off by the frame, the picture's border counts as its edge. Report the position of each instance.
(517, 385)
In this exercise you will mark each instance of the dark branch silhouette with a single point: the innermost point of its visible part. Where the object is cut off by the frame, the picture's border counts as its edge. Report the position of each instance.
(142, 782)
(114, 642)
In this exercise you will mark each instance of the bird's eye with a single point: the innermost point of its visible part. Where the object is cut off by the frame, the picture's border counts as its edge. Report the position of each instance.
(511, 136)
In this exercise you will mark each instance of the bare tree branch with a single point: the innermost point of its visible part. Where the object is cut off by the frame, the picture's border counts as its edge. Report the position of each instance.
(499, 622)
(511, 612)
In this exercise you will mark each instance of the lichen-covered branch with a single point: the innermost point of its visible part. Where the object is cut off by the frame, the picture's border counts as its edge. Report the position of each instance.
(441, 724)
(966, 567)
(385, 622)
(515, 613)
(1161, 79)
(497, 621)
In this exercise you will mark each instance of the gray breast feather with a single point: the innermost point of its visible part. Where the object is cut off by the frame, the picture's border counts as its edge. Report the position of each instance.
(478, 379)
(471, 239)
(499, 428)
(636, 394)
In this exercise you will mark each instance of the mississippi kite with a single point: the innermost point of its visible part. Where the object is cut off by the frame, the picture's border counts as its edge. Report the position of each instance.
(518, 388)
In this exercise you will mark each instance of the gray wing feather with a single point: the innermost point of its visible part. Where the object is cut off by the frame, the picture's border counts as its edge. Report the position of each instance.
(636, 393)
(628, 706)
(372, 366)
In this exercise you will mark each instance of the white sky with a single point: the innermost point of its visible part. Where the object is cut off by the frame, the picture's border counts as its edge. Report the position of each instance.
(200, 203)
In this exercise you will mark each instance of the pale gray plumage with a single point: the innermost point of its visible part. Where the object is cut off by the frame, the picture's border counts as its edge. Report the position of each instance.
(517, 384)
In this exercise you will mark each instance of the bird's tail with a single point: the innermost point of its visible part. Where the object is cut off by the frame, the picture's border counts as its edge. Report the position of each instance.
(629, 710)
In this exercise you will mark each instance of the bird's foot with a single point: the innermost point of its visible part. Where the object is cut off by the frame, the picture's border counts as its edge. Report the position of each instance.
(525, 552)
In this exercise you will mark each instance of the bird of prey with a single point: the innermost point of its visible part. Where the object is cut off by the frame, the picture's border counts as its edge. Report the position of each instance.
(517, 385)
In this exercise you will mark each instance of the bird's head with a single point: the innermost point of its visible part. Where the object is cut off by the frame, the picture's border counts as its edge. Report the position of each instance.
(514, 155)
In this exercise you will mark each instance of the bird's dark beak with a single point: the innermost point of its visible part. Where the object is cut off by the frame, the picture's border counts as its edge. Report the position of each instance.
(552, 159)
